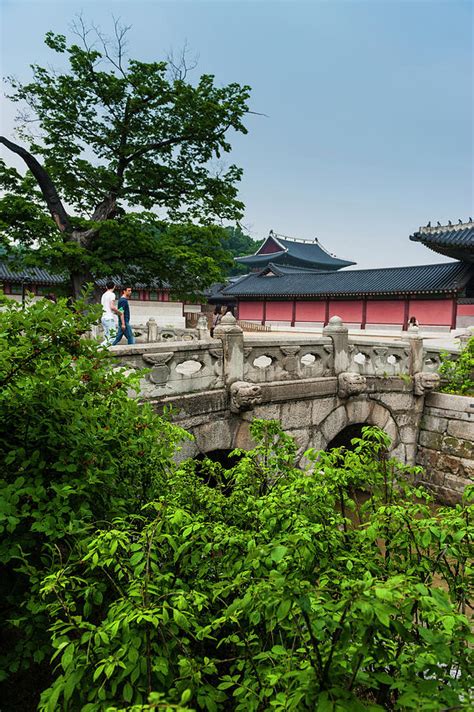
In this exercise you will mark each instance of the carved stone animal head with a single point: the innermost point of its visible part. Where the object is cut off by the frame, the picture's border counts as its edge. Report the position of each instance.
(244, 396)
(425, 382)
(350, 384)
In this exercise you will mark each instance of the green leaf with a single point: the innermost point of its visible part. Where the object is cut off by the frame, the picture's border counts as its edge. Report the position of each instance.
(283, 609)
(278, 552)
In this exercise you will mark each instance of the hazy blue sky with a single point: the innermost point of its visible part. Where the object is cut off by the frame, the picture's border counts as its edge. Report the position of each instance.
(368, 133)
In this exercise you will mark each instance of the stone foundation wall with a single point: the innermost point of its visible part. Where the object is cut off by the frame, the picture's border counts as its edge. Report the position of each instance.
(446, 445)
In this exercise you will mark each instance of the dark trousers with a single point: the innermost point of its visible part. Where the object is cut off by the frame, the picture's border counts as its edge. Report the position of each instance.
(128, 332)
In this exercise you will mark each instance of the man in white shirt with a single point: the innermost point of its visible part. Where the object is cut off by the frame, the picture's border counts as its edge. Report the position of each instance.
(109, 320)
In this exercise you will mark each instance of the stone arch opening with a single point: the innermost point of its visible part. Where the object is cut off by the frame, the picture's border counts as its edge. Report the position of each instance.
(221, 456)
(356, 412)
(344, 436)
(215, 477)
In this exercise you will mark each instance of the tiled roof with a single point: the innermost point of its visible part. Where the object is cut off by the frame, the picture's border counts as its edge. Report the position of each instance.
(420, 279)
(34, 275)
(296, 252)
(452, 240)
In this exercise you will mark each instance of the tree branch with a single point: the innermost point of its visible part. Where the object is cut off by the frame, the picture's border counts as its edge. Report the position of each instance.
(47, 187)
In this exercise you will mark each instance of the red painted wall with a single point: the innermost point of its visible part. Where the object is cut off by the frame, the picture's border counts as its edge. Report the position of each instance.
(251, 310)
(465, 309)
(279, 311)
(349, 311)
(310, 311)
(385, 312)
(435, 312)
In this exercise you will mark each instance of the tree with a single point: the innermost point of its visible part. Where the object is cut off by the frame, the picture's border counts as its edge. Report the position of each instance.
(74, 450)
(115, 135)
(238, 243)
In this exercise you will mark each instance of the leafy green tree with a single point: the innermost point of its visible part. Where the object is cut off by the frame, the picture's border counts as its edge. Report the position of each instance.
(113, 135)
(73, 448)
(238, 244)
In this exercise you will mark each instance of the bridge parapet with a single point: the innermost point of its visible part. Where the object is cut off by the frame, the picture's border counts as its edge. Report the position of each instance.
(274, 359)
(175, 368)
(384, 358)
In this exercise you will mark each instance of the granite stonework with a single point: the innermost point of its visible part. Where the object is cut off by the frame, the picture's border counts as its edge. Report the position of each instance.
(446, 445)
(316, 387)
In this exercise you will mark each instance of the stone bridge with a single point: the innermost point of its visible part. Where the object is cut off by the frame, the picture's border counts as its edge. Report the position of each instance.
(317, 387)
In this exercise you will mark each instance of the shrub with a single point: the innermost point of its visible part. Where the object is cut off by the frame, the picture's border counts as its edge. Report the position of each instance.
(458, 374)
(75, 450)
(276, 589)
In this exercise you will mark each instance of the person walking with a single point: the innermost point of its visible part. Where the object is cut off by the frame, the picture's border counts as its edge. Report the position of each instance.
(124, 328)
(109, 314)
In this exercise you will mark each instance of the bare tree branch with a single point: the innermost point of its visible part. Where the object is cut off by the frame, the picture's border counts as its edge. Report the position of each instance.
(180, 67)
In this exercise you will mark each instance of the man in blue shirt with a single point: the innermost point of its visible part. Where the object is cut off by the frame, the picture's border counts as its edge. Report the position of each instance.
(124, 328)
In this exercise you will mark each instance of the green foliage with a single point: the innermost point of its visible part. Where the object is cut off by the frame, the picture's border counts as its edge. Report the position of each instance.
(118, 135)
(276, 589)
(238, 244)
(74, 450)
(458, 373)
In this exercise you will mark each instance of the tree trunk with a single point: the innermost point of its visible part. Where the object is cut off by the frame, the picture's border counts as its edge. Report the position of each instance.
(78, 280)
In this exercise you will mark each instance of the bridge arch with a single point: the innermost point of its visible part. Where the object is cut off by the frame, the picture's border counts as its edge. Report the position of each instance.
(357, 412)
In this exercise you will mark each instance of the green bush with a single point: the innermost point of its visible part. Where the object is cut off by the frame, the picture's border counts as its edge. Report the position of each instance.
(75, 450)
(458, 374)
(274, 589)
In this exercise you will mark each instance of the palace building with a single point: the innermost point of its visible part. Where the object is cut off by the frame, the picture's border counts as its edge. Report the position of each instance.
(299, 283)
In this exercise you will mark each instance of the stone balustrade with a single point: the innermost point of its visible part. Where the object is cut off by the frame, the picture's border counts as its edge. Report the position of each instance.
(180, 363)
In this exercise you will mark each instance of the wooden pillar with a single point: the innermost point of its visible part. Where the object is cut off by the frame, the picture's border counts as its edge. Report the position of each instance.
(454, 312)
(237, 309)
(264, 315)
(364, 314)
(293, 313)
(326, 315)
(406, 314)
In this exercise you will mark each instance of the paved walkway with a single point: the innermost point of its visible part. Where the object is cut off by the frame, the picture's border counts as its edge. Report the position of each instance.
(435, 339)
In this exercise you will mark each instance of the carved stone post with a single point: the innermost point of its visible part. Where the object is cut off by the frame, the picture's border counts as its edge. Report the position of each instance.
(340, 340)
(232, 338)
(203, 328)
(416, 359)
(151, 330)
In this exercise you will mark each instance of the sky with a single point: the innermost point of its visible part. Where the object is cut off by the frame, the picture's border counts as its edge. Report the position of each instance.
(367, 126)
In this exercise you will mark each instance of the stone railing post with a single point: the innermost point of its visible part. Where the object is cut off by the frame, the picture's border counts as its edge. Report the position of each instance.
(416, 358)
(203, 328)
(151, 330)
(340, 340)
(232, 337)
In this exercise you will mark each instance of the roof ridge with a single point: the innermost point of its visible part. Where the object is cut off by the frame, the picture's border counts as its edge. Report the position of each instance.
(433, 229)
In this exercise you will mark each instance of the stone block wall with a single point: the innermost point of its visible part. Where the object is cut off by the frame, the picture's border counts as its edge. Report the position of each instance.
(446, 445)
